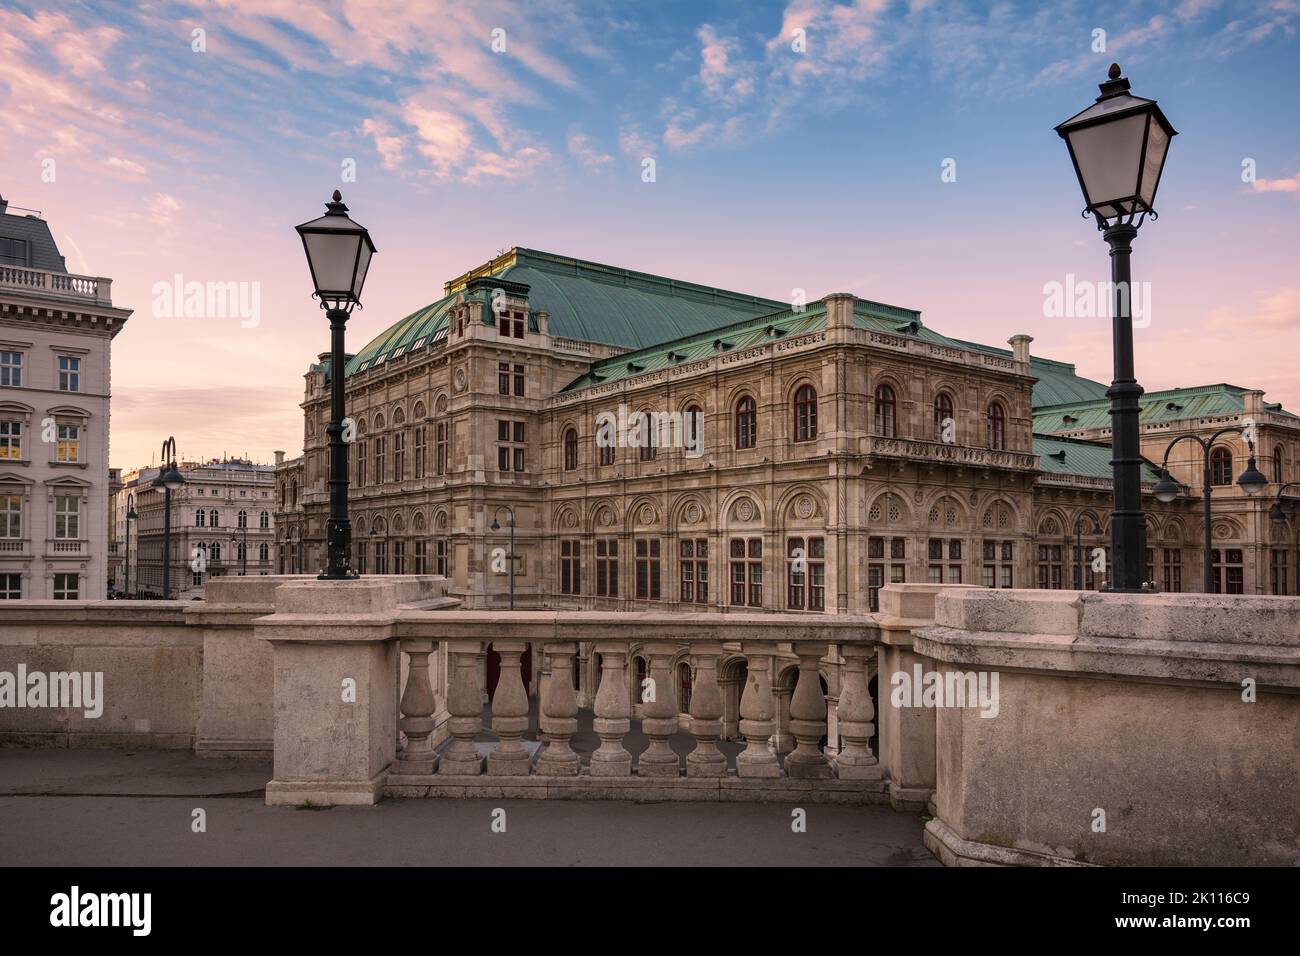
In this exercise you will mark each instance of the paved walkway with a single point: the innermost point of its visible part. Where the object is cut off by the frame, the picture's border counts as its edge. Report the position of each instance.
(123, 808)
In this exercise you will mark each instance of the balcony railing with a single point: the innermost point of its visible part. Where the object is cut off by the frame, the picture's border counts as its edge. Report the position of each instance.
(911, 449)
(849, 774)
(57, 285)
(64, 546)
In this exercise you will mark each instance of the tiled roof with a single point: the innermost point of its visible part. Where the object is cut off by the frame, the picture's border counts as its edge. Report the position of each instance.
(1057, 381)
(1069, 456)
(36, 233)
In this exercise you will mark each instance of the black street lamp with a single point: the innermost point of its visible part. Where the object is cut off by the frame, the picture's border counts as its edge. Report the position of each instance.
(169, 480)
(1252, 481)
(130, 516)
(496, 527)
(1096, 532)
(338, 254)
(1118, 146)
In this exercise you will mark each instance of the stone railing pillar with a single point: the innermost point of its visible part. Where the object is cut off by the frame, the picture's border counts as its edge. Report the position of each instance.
(509, 714)
(660, 715)
(808, 716)
(706, 760)
(612, 711)
(757, 713)
(559, 713)
(418, 704)
(856, 717)
(465, 704)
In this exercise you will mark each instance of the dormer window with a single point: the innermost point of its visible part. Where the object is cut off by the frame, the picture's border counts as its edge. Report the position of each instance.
(512, 324)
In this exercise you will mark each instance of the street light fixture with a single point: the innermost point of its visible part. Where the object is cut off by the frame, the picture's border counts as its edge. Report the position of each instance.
(338, 254)
(1118, 146)
(496, 527)
(130, 516)
(169, 479)
(1252, 481)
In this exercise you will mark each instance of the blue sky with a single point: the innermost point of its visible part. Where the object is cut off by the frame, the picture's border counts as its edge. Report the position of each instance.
(775, 169)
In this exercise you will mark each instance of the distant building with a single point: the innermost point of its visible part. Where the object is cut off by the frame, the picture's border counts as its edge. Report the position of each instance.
(222, 523)
(56, 333)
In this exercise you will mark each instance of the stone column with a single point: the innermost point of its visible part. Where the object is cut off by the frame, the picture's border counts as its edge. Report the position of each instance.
(417, 705)
(465, 704)
(335, 690)
(756, 715)
(509, 714)
(706, 760)
(857, 717)
(808, 717)
(559, 714)
(782, 741)
(612, 711)
(660, 715)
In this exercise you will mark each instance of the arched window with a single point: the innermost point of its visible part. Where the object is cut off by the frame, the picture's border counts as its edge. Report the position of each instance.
(648, 426)
(294, 502)
(1220, 466)
(997, 427)
(746, 422)
(242, 520)
(199, 515)
(943, 412)
(805, 413)
(886, 407)
(264, 520)
(1277, 464)
(214, 518)
(215, 554)
(263, 552)
(570, 449)
(684, 687)
(694, 430)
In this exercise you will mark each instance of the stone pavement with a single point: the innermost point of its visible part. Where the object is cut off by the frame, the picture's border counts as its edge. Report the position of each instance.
(124, 808)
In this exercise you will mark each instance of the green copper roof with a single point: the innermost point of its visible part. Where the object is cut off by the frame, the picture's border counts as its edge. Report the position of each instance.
(586, 300)
(1170, 405)
(1057, 381)
(1069, 456)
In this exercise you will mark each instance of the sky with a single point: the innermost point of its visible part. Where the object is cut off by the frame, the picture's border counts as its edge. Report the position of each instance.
(900, 151)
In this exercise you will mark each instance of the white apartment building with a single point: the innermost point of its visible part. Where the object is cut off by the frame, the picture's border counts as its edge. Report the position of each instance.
(56, 333)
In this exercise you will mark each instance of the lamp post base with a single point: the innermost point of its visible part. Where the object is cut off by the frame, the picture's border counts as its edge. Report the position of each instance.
(338, 576)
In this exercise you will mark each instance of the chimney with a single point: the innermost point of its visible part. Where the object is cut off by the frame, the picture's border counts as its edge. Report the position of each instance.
(839, 310)
(543, 318)
(1254, 403)
(279, 458)
(1020, 347)
(4, 205)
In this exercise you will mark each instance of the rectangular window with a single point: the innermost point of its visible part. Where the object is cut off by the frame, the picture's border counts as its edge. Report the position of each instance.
(440, 453)
(511, 453)
(570, 566)
(695, 571)
(11, 587)
(519, 381)
(1277, 571)
(442, 557)
(806, 574)
(998, 570)
(11, 440)
(67, 516)
(399, 455)
(381, 454)
(381, 557)
(503, 378)
(607, 567)
(361, 464)
(648, 569)
(11, 368)
(13, 252)
(69, 443)
(882, 571)
(399, 556)
(66, 587)
(421, 557)
(746, 572)
(1172, 571)
(421, 436)
(941, 551)
(1049, 566)
(1228, 571)
(69, 373)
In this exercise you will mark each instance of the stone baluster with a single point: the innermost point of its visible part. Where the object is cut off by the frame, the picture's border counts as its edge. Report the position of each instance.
(856, 717)
(757, 713)
(808, 717)
(659, 710)
(612, 711)
(509, 714)
(465, 704)
(706, 760)
(559, 713)
(417, 705)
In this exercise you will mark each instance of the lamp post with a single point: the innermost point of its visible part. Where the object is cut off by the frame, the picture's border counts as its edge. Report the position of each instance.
(169, 480)
(1252, 481)
(130, 516)
(1275, 514)
(496, 527)
(234, 543)
(1078, 550)
(1118, 146)
(338, 254)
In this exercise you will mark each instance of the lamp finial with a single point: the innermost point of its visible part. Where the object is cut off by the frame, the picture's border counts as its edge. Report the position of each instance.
(1113, 74)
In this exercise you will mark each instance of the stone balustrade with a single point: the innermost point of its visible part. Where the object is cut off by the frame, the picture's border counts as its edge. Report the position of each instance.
(462, 638)
(62, 285)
